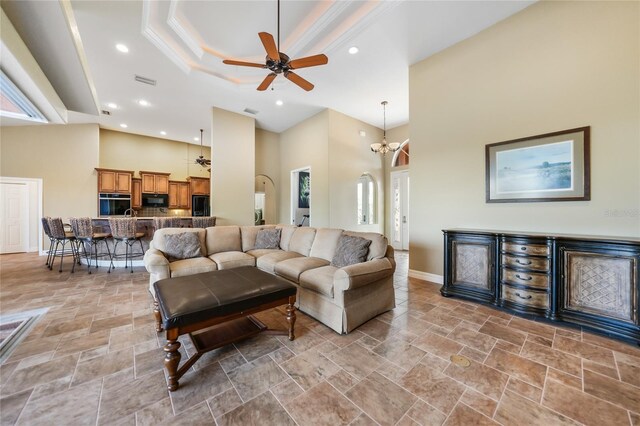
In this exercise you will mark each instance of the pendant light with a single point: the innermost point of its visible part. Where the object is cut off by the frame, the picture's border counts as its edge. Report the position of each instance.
(384, 147)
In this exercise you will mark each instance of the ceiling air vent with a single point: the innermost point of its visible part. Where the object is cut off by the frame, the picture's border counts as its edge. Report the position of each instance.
(145, 80)
(250, 111)
(105, 112)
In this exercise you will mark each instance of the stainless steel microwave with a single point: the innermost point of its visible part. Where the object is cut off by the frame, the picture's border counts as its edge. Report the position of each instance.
(155, 200)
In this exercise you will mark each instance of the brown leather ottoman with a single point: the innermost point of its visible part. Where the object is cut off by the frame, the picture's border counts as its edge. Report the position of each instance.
(220, 302)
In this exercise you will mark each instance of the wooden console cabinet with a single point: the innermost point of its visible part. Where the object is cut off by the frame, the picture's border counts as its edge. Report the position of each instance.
(588, 281)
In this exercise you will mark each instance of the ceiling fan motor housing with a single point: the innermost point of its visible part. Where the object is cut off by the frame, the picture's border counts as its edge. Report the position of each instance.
(280, 66)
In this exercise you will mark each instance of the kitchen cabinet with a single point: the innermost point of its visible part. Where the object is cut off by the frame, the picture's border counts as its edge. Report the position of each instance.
(199, 186)
(136, 193)
(179, 195)
(114, 181)
(155, 182)
(589, 281)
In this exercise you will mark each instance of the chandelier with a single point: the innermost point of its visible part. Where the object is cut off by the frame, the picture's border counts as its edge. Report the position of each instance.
(384, 147)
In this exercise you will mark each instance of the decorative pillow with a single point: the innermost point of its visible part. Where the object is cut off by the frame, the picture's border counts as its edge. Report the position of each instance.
(350, 250)
(268, 239)
(183, 245)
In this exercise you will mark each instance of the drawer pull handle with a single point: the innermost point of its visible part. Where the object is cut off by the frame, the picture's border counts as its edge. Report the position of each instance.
(523, 248)
(524, 278)
(523, 297)
(523, 263)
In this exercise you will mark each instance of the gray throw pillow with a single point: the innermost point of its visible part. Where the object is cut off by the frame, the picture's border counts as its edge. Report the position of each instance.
(350, 250)
(184, 245)
(268, 239)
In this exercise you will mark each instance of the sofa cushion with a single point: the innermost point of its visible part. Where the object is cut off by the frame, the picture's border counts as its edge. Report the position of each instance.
(223, 238)
(325, 243)
(269, 261)
(232, 259)
(159, 238)
(350, 250)
(261, 252)
(379, 243)
(285, 235)
(197, 265)
(292, 268)
(268, 239)
(183, 245)
(302, 240)
(249, 234)
(319, 280)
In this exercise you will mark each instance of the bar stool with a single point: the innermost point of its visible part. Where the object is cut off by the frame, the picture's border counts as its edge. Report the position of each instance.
(47, 231)
(166, 222)
(203, 222)
(56, 227)
(124, 230)
(83, 231)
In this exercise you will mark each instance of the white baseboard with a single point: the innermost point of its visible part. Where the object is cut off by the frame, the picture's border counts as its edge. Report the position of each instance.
(434, 278)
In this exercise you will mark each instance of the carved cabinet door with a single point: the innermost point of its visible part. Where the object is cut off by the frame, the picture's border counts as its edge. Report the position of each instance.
(599, 283)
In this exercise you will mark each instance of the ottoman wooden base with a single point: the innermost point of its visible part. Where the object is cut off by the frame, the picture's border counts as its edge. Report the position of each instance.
(225, 318)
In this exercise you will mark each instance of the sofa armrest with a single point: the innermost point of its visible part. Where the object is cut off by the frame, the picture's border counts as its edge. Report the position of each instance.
(361, 274)
(155, 262)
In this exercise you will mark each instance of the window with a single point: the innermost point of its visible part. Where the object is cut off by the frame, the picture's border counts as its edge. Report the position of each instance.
(366, 195)
(14, 104)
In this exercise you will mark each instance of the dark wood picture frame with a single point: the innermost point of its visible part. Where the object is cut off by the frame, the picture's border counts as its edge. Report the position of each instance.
(548, 167)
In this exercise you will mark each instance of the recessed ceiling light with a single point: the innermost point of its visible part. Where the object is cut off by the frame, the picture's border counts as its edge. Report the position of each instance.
(163, 133)
(279, 102)
(142, 102)
(122, 48)
(124, 126)
(196, 138)
(112, 105)
(353, 50)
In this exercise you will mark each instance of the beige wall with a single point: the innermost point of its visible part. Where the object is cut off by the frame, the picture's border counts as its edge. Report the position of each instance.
(306, 145)
(233, 147)
(554, 66)
(126, 151)
(350, 157)
(63, 156)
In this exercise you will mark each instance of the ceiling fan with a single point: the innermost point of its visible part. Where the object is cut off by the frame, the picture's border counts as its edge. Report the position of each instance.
(201, 160)
(279, 63)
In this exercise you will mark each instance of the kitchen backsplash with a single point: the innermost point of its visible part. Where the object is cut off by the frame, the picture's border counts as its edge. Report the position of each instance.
(162, 212)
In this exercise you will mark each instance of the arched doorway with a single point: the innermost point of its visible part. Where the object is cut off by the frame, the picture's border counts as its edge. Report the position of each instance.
(265, 201)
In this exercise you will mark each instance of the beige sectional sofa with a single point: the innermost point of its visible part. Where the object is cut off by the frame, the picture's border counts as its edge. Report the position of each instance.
(341, 298)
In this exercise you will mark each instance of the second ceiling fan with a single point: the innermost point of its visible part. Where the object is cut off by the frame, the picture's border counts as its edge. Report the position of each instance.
(279, 63)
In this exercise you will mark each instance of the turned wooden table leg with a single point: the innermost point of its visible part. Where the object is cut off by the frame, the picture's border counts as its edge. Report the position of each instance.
(291, 316)
(156, 313)
(172, 359)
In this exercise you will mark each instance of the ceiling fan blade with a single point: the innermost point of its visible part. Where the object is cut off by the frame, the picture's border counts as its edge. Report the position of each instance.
(270, 46)
(243, 64)
(309, 61)
(299, 80)
(267, 82)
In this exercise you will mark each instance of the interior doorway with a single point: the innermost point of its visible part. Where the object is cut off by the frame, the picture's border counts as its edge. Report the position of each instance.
(265, 201)
(14, 217)
(400, 210)
(301, 196)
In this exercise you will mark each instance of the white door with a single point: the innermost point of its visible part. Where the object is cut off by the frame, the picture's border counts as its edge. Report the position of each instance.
(14, 218)
(400, 210)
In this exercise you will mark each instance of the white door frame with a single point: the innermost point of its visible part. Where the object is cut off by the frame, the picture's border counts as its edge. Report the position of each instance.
(294, 192)
(400, 242)
(34, 209)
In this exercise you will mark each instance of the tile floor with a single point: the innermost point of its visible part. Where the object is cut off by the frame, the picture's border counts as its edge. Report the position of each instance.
(95, 358)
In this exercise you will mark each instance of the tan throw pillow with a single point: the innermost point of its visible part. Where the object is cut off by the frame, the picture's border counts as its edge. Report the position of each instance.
(350, 250)
(184, 245)
(268, 239)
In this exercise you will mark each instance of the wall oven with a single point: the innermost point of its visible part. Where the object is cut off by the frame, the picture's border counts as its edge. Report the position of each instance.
(113, 204)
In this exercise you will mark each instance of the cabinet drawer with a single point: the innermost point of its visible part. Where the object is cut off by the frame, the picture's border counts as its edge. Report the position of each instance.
(525, 297)
(533, 249)
(529, 279)
(525, 262)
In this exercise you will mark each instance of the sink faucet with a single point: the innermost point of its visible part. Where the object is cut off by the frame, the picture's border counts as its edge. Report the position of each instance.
(130, 212)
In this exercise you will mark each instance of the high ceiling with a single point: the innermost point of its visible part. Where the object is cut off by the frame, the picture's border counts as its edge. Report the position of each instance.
(181, 45)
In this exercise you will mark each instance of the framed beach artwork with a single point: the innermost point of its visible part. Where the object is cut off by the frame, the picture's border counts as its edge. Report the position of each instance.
(549, 167)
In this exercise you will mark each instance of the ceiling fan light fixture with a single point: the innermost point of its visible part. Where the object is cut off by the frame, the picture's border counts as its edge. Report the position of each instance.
(384, 147)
